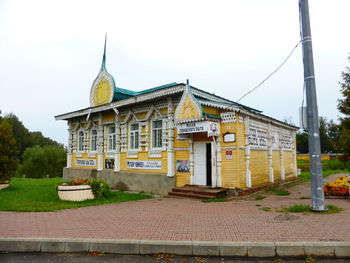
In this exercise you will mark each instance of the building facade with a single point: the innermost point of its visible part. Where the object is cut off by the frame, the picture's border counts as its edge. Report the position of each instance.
(174, 135)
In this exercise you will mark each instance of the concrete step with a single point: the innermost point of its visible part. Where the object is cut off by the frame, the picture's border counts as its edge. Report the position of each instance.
(193, 191)
(190, 195)
(198, 192)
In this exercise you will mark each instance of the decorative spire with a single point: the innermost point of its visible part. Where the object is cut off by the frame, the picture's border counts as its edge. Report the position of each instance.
(188, 86)
(103, 66)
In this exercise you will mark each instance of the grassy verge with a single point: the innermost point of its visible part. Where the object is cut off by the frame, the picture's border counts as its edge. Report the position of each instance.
(306, 175)
(306, 209)
(34, 195)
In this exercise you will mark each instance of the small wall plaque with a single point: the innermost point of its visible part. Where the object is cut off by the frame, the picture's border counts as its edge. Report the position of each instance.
(229, 137)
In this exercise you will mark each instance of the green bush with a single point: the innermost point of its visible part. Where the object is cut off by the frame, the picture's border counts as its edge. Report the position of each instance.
(40, 162)
(336, 164)
(347, 165)
(99, 188)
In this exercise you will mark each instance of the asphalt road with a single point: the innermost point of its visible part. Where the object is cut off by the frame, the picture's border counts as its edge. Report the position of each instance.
(91, 258)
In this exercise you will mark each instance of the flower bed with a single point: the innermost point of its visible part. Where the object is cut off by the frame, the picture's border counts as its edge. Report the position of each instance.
(83, 189)
(75, 192)
(4, 185)
(340, 187)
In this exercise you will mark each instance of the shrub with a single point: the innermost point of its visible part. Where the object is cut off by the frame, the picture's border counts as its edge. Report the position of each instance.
(347, 165)
(336, 164)
(99, 188)
(38, 162)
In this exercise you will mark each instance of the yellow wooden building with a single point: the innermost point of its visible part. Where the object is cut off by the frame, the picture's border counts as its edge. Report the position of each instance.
(174, 135)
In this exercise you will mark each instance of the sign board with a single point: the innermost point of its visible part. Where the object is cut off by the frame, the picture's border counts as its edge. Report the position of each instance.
(200, 126)
(213, 129)
(183, 166)
(145, 165)
(85, 162)
(109, 163)
(230, 137)
(229, 154)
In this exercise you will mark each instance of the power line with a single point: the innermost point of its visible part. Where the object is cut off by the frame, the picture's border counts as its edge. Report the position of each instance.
(273, 72)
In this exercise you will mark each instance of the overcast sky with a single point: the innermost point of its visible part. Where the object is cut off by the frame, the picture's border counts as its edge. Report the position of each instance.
(51, 51)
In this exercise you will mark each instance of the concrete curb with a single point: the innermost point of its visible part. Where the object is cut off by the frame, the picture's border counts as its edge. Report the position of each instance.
(188, 248)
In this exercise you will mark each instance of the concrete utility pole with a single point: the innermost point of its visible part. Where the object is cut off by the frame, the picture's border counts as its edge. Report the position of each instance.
(312, 113)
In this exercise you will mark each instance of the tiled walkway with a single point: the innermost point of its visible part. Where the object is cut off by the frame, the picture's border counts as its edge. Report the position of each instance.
(184, 219)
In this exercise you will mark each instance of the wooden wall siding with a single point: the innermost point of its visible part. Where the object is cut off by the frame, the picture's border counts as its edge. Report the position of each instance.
(108, 116)
(241, 168)
(230, 170)
(288, 164)
(182, 178)
(233, 171)
(211, 110)
(259, 167)
(276, 165)
(179, 143)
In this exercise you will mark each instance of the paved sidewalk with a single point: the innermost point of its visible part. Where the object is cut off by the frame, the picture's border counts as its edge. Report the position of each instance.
(184, 219)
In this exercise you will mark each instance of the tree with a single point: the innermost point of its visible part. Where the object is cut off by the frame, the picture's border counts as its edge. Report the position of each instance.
(344, 108)
(8, 152)
(26, 139)
(329, 136)
(38, 162)
(302, 142)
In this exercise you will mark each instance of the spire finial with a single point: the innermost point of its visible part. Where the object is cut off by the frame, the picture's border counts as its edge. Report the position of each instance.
(103, 67)
(187, 85)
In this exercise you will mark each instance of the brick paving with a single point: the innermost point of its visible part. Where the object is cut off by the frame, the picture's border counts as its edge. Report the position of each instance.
(185, 219)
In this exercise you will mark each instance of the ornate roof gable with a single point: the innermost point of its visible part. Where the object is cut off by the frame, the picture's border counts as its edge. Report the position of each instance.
(103, 87)
(188, 108)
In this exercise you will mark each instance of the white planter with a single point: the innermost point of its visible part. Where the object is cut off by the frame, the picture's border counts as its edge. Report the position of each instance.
(2, 186)
(75, 192)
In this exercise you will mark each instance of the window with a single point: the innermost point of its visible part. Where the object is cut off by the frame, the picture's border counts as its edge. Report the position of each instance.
(157, 134)
(134, 136)
(111, 138)
(93, 145)
(81, 141)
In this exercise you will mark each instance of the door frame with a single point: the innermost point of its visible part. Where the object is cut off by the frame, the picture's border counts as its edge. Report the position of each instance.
(213, 173)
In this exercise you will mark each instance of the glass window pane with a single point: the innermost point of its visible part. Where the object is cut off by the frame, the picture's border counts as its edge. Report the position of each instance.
(157, 124)
(111, 130)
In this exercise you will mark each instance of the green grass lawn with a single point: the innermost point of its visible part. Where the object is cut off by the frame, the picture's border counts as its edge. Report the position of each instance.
(306, 175)
(34, 195)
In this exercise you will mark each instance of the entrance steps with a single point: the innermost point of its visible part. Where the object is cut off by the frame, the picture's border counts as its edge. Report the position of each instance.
(198, 192)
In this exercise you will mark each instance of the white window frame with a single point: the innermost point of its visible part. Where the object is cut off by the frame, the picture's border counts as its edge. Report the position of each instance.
(93, 140)
(80, 147)
(160, 131)
(111, 139)
(135, 132)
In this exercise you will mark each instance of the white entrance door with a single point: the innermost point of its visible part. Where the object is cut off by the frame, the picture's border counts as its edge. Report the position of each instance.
(200, 163)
